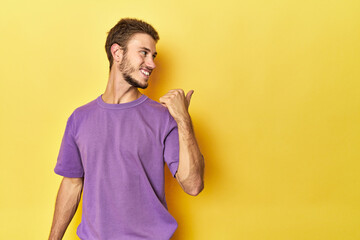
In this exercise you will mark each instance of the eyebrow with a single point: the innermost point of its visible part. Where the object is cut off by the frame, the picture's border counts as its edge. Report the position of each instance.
(144, 48)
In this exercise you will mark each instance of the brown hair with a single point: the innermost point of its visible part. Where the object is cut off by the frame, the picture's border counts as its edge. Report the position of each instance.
(123, 31)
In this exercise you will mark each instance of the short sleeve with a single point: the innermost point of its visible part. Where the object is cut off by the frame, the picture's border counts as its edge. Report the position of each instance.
(69, 160)
(171, 143)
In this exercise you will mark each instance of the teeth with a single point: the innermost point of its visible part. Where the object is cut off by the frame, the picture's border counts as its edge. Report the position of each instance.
(144, 72)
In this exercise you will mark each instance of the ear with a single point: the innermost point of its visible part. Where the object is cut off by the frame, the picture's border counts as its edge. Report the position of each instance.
(117, 52)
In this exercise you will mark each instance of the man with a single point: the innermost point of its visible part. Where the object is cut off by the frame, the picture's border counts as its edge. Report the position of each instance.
(115, 147)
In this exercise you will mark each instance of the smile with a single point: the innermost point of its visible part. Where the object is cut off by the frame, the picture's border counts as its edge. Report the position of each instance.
(146, 73)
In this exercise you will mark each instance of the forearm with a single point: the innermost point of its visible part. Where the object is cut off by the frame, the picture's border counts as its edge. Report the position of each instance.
(67, 201)
(190, 172)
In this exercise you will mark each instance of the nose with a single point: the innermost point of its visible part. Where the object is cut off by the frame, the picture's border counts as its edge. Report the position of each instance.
(150, 63)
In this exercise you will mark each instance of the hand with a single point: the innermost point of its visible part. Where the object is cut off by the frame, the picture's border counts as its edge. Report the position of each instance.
(177, 104)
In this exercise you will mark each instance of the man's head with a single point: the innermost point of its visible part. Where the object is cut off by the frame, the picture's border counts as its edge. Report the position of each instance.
(137, 63)
(123, 31)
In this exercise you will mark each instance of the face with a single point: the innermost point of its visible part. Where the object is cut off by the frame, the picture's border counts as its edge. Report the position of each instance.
(137, 63)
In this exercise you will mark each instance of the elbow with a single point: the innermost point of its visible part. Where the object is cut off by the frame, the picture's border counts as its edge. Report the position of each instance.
(196, 189)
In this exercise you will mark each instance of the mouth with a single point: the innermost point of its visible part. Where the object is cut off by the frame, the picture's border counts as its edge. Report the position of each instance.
(145, 73)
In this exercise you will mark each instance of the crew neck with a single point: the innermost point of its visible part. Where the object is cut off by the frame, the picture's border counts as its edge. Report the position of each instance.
(134, 103)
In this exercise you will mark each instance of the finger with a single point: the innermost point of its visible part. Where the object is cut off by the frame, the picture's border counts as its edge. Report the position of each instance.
(189, 95)
(177, 91)
(162, 99)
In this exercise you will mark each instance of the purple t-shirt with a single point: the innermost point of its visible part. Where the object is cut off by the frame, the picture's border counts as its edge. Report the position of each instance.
(121, 150)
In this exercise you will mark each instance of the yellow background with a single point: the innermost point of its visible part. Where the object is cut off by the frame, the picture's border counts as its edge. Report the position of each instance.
(275, 110)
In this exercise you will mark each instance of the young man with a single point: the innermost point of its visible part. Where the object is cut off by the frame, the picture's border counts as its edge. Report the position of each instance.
(115, 147)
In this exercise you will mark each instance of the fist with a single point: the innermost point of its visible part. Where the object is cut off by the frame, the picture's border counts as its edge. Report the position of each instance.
(177, 103)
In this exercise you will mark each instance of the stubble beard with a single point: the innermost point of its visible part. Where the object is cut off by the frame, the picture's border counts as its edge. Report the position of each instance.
(126, 69)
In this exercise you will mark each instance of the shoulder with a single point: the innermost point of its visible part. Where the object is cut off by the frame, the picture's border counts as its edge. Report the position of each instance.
(156, 108)
(90, 106)
(83, 110)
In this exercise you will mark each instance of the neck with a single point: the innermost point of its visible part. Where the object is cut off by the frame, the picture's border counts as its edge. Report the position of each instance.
(118, 90)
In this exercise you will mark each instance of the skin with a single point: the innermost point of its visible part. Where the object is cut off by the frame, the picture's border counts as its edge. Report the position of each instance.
(124, 80)
(67, 201)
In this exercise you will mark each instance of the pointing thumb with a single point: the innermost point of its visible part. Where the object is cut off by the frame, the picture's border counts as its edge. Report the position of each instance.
(189, 95)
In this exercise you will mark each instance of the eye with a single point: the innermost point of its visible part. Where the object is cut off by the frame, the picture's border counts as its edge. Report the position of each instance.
(144, 53)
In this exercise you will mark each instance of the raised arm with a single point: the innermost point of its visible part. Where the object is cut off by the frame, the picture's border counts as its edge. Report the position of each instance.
(190, 174)
(67, 201)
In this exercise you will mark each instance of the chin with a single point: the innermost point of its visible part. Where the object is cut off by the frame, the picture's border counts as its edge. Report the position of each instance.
(135, 82)
(143, 86)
